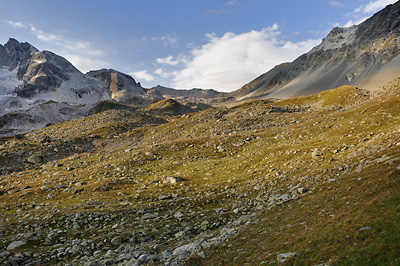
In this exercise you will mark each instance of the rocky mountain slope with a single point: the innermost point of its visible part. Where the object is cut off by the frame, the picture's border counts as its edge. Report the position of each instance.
(303, 181)
(31, 81)
(189, 95)
(366, 55)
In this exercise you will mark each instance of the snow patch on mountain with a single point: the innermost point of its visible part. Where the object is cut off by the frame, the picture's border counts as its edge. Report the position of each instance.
(8, 81)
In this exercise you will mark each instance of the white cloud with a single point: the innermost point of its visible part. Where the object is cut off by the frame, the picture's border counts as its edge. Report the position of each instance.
(228, 62)
(169, 40)
(85, 64)
(232, 3)
(355, 22)
(169, 61)
(47, 37)
(80, 47)
(212, 11)
(142, 75)
(336, 4)
(374, 6)
(160, 72)
(16, 24)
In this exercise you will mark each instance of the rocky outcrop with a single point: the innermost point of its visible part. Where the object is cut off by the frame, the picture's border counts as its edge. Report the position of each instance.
(44, 72)
(169, 107)
(14, 52)
(119, 85)
(188, 95)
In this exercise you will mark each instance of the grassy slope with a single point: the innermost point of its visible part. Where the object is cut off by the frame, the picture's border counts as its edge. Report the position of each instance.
(325, 226)
(240, 155)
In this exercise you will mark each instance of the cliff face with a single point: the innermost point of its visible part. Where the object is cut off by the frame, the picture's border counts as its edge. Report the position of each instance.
(13, 53)
(366, 55)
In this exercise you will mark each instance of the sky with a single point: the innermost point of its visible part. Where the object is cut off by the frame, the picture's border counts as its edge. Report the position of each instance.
(182, 44)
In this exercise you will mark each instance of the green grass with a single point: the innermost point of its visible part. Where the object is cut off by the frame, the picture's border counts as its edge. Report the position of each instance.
(223, 155)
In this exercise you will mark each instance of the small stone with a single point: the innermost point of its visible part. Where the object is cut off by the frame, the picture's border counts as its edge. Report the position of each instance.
(45, 188)
(164, 197)
(75, 242)
(202, 255)
(35, 159)
(110, 253)
(179, 215)
(365, 228)
(116, 240)
(179, 251)
(4, 254)
(171, 179)
(148, 153)
(301, 190)
(315, 154)
(115, 226)
(220, 210)
(142, 258)
(283, 257)
(285, 198)
(149, 216)
(257, 188)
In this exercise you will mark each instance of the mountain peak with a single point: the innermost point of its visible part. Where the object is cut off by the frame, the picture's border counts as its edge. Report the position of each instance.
(12, 41)
(14, 52)
(13, 44)
(365, 55)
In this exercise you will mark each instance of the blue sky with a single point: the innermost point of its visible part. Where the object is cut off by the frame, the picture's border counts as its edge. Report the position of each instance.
(219, 44)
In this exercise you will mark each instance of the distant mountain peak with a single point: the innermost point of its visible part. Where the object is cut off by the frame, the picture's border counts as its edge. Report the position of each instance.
(14, 52)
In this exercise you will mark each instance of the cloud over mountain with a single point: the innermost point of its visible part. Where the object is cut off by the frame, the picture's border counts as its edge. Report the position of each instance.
(227, 62)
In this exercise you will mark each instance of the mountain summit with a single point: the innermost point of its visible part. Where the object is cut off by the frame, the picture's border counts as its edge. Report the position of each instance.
(14, 52)
(366, 55)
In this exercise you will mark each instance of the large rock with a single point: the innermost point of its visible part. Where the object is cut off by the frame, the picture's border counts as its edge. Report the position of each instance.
(171, 179)
(16, 244)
